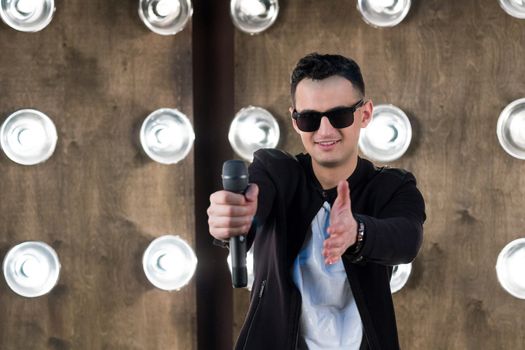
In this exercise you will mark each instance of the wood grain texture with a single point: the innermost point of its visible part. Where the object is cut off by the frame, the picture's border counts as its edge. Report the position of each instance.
(97, 71)
(452, 66)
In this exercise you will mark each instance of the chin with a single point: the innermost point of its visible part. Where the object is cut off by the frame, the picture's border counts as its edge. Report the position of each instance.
(328, 163)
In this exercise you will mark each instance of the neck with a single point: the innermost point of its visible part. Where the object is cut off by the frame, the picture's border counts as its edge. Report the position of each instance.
(329, 177)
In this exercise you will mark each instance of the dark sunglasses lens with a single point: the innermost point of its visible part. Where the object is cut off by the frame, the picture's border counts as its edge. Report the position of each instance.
(308, 122)
(341, 118)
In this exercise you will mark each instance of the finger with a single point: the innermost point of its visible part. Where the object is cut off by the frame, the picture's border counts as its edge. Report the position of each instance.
(226, 197)
(252, 193)
(336, 229)
(336, 242)
(331, 259)
(332, 254)
(229, 223)
(343, 195)
(228, 210)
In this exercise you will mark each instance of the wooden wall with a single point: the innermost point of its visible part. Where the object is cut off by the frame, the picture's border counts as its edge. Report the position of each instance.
(97, 71)
(452, 66)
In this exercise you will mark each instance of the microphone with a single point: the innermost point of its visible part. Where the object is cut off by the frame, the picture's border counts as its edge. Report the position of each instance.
(235, 179)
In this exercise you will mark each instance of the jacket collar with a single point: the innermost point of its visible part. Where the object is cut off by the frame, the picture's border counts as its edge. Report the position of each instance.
(361, 172)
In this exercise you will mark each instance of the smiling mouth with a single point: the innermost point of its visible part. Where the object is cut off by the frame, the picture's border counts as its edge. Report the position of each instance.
(327, 143)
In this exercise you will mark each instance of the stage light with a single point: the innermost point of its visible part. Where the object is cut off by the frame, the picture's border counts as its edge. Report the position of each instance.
(400, 275)
(167, 136)
(31, 269)
(165, 17)
(511, 129)
(383, 13)
(387, 136)
(254, 16)
(169, 262)
(27, 15)
(251, 129)
(28, 137)
(515, 8)
(510, 268)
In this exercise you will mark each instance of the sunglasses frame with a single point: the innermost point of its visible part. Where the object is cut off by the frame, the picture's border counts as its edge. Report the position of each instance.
(330, 114)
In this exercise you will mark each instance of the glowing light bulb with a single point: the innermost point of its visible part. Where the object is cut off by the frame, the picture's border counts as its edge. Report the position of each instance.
(382, 134)
(32, 270)
(517, 129)
(253, 8)
(516, 267)
(171, 262)
(31, 138)
(26, 7)
(30, 267)
(164, 8)
(381, 4)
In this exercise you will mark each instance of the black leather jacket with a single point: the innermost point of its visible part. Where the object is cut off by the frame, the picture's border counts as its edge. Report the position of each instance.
(385, 200)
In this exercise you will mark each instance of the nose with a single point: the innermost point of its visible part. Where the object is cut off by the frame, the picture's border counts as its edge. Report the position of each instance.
(325, 127)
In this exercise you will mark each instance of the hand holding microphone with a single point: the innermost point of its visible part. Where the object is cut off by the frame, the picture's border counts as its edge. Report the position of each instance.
(231, 213)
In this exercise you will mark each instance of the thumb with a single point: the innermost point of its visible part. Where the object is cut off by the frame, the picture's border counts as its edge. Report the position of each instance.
(343, 195)
(252, 193)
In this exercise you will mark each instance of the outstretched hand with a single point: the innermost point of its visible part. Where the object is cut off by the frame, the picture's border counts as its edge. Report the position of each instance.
(343, 226)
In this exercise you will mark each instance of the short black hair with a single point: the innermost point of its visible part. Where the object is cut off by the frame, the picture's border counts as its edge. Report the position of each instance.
(317, 67)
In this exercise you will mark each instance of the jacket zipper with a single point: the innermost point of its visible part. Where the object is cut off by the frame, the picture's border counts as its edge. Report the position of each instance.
(259, 297)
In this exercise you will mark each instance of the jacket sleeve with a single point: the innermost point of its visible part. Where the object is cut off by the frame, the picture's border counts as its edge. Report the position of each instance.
(395, 235)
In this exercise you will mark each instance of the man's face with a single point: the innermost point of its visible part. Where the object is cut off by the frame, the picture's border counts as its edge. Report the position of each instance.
(330, 147)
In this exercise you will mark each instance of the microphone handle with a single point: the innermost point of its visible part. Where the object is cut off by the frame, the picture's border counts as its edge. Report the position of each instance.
(238, 256)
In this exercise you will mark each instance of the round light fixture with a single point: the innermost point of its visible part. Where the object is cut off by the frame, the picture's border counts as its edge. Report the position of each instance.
(400, 275)
(515, 8)
(31, 269)
(254, 16)
(169, 262)
(511, 129)
(27, 15)
(167, 136)
(387, 136)
(510, 268)
(383, 13)
(165, 17)
(28, 137)
(251, 129)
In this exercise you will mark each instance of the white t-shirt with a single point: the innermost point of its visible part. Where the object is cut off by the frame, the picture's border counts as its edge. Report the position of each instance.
(329, 316)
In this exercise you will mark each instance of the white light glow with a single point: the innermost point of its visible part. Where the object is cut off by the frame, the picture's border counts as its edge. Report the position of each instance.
(31, 138)
(516, 268)
(30, 267)
(169, 262)
(517, 129)
(400, 275)
(172, 262)
(381, 4)
(27, 6)
(381, 134)
(166, 8)
(252, 8)
(252, 133)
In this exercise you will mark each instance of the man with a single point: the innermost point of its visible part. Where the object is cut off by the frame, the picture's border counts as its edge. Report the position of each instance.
(326, 226)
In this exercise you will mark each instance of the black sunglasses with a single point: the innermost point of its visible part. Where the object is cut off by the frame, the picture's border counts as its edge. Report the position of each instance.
(340, 117)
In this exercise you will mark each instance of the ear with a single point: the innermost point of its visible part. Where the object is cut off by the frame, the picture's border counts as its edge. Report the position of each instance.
(366, 113)
(294, 123)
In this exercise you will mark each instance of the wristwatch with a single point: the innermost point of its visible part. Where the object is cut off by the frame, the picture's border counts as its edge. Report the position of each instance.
(359, 241)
